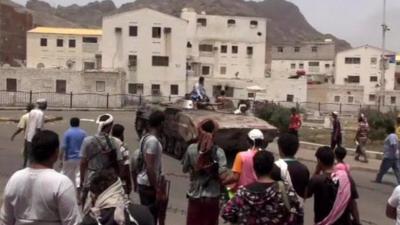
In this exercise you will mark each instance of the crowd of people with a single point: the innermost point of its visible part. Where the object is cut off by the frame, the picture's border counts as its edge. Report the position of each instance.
(98, 173)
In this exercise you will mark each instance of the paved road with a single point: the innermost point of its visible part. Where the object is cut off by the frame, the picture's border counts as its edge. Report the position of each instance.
(372, 196)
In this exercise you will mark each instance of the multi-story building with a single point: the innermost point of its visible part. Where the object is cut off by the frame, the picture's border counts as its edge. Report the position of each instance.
(225, 47)
(13, 37)
(312, 59)
(150, 47)
(362, 67)
(71, 48)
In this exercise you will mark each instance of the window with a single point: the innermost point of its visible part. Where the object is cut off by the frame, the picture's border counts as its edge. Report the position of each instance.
(372, 98)
(205, 70)
(133, 31)
(206, 48)
(156, 32)
(155, 90)
(89, 40)
(61, 86)
(72, 43)
(235, 49)
(289, 98)
(202, 22)
(280, 49)
(43, 42)
(296, 49)
(89, 65)
(293, 66)
(313, 64)
(160, 61)
(231, 22)
(100, 86)
(353, 79)
(314, 49)
(249, 50)
(393, 100)
(136, 89)
(11, 84)
(174, 89)
(301, 66)
(350, 99)
(373, 78)
(224, 49)
(132, 61)
(374, 60)
(253, 23)
(222, 70)
(352, 60)
(118, 30)
(337, 98)
(188, 45)
(251, 95)
(327, 66)
(60, 42)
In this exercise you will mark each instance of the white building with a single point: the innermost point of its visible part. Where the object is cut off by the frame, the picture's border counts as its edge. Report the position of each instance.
(75, 49)
(312, 59)
(361, 66)
(150, 47)
(225, 46)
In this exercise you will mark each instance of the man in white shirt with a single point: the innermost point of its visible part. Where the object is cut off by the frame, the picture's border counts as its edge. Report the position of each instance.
(38, 194)
(35, 123)
(21, 127)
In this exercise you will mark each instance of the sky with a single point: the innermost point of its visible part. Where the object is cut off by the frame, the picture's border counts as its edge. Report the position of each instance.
(357, 21)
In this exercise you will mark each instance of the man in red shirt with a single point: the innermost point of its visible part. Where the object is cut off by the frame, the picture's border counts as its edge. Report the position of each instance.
(295, 123)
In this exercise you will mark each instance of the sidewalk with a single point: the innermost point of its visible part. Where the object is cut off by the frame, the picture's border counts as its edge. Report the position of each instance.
(308, 155)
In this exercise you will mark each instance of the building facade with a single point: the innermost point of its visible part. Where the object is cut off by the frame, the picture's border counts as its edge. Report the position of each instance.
(362, 67)
(63, 48)
(312, 59)
(225, 47)
(150, 47)
(13, 38)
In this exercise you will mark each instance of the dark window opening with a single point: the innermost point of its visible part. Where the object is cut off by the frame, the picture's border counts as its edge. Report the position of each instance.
(353, 79)
(11, 85)
(352, 60)
(43, 42)
(133, 31)
(156, 32)
(202, 22)
(205, 70)
(280, 49)
(60, 42)
(296, 49)
(174, 89)
(132, 61)
(89, 39)
(289, 98)
(155, 90)
(253, 23)
(231, 22)
(135, 88)
(224, 49)
(72, 43)
(235, 49)
(61, 86)
(160, 61)
(206, 48)
(89, 65)
(249, 50)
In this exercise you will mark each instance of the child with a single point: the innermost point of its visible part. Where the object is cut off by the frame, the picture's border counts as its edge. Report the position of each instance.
(340, 154)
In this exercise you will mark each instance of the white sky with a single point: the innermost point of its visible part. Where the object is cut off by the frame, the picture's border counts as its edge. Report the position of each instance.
(357, 21)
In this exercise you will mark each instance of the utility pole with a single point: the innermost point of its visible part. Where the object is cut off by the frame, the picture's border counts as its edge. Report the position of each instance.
(385, 28)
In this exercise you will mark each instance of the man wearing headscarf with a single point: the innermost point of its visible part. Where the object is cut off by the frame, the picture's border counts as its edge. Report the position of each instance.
(206, 163)
(99, 152)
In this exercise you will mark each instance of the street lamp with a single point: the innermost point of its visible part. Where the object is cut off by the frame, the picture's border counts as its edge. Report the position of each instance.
(383, 65)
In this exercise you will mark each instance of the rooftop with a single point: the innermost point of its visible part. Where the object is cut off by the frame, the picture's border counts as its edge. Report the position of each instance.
(70, 31)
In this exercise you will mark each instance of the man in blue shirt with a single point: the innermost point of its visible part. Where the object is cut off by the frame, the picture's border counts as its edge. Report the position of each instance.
(390, 156)
(70, 149)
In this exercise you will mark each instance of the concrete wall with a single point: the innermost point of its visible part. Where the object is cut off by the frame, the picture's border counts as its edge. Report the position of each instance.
(52, 56)
(217, 32)
(365, 70)
(87, 87)
(117, 46)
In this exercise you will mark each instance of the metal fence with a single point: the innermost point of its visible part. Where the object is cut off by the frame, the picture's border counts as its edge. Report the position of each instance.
(105, 100)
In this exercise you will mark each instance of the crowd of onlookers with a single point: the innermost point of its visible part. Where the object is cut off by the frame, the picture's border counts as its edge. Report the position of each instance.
(99, 172)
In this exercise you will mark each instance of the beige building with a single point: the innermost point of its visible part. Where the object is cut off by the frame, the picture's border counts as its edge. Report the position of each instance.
(315, 60)
(59, 48)
(150, 47)
(225, 47)
(361, 67)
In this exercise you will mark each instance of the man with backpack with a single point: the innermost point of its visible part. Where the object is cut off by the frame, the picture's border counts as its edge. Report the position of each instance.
(99, 152)
(206, 163)
(147, 166)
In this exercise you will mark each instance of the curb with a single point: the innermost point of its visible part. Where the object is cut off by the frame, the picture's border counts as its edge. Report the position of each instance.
(351, 151)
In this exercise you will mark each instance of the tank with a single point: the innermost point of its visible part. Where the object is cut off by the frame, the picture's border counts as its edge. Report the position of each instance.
(180, 129)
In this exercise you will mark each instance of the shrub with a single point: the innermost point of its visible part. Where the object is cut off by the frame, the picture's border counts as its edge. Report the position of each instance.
(379, 122)
(274, 114)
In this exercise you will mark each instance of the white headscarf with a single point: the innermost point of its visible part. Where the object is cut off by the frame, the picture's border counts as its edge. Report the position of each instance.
(110, 120)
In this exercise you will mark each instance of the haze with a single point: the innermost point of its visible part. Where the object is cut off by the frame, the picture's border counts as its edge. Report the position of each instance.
(357, 21)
